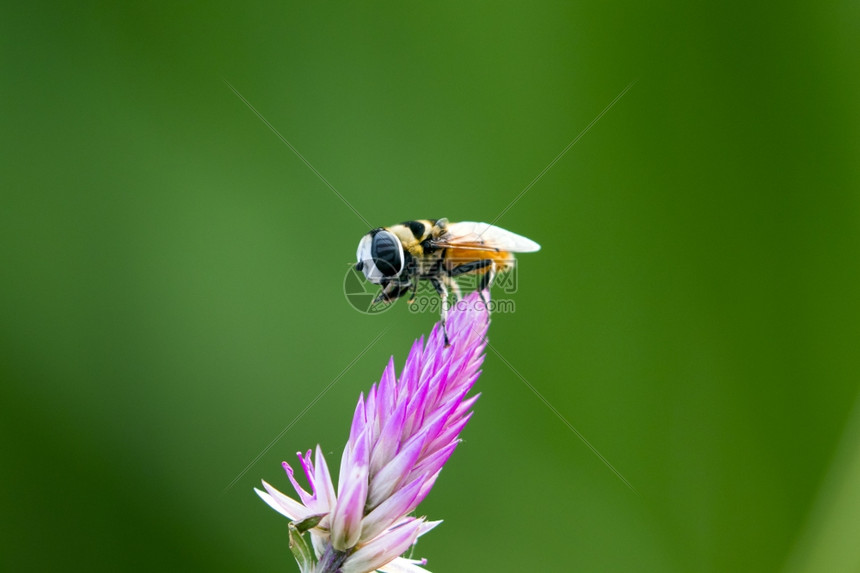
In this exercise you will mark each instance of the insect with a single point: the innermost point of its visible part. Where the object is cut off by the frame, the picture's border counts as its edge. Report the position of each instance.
(436, 250)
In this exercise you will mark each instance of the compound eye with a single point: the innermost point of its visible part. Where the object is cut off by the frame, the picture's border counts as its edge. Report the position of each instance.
(365, 262)
(387, 253)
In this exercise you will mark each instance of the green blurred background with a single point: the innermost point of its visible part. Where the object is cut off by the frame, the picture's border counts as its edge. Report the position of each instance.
(172, 274)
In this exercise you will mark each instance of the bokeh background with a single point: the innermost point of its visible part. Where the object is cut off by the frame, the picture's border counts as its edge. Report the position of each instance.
(172, 274)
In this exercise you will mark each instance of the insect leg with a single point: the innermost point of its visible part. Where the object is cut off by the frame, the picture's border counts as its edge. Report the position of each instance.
(470, 267)
(414, 289)
(443, 293)
(486, 282)
(391, 292)
(452, 284)
(474, 267)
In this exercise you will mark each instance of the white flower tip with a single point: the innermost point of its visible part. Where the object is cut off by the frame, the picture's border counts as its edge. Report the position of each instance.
(403, 565)
(270, 501)
(428, 526)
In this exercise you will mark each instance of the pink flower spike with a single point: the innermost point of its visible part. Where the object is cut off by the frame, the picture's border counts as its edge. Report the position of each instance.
(402, 434)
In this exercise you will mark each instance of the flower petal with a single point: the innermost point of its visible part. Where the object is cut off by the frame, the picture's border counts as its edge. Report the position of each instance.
(386, 394)
(415, 411)
(465, 405)
(412, 369)
(352, 497)
(390, 510)
(359, 419)
(387, 445)
(383, 549)
(432, 464)
(322, 479)
(387, 479)
(428, 526)
(307, 498)
(401, 565)
(449, 434)
(426, 487)
(285, 505)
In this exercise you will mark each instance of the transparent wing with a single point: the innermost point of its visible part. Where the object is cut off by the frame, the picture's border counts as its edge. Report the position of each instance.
(483, 236)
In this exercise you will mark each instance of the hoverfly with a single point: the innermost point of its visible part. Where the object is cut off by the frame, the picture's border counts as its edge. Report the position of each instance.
(400, 256)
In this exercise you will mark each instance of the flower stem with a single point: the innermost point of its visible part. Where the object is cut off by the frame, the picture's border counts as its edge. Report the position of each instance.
(331, 560)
